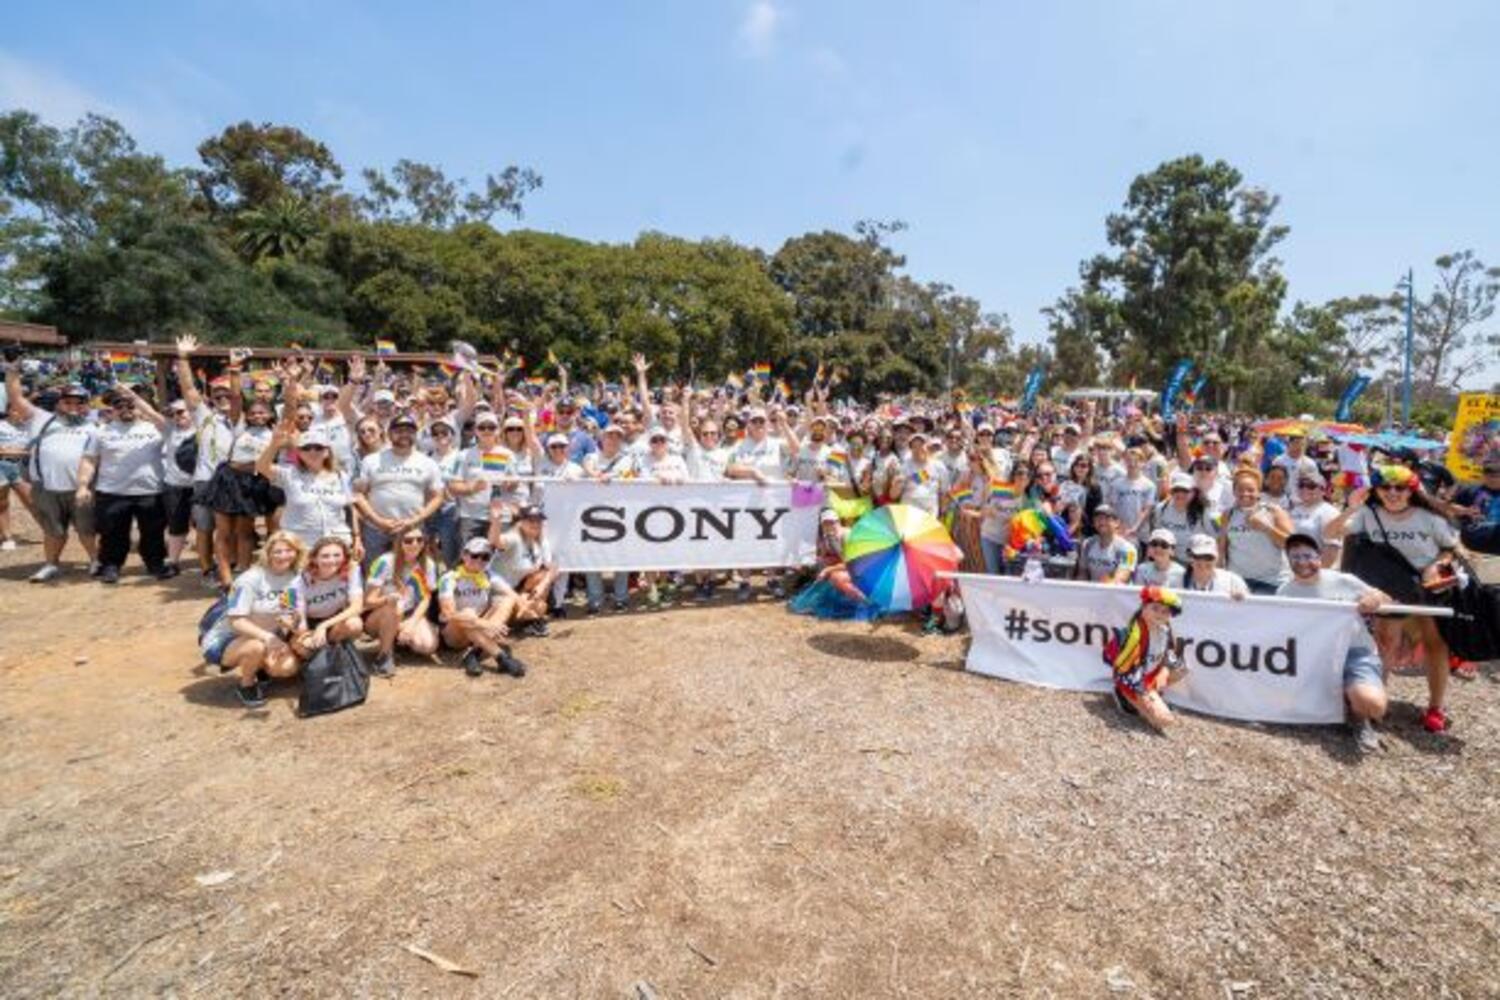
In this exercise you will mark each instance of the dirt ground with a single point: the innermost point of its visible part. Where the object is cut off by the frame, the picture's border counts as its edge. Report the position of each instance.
(707, 802)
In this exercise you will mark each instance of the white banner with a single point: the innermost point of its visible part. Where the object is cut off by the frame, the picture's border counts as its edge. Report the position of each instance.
(1264, 659)
(630, 526)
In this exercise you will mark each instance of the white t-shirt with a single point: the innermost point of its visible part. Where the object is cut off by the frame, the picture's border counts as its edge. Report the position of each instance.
(473, 467)
(1417, 533)
(517, 558)
(57, 450)
(1332, 585)
(129, 458)
(472, 591)
(1224, 582)
(811, 462)
(249, 443)
(339, 438)
(316, 503)
(1180, 525)
(421, 580)
(265, 598)
(924, 484)
(215, 435)
(398, 487)
(1147, 575)
(707, 465)
(326, 598)
(1311, 520)
(1100, 562)
(768, 457)
(669, 468)
(15, 437)
(1130, 498)
(620, 465)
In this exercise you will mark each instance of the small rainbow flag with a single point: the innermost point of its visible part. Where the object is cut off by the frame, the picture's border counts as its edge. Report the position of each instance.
(495, 461)
(1002, 491)
(537, 381)
(961, 495)
(119, 361)
(762, 370)
(839, 457)
(385, 347)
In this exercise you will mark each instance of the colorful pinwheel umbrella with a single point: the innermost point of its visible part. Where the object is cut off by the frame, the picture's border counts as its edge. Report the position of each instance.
(894, 554)
(1287, 425)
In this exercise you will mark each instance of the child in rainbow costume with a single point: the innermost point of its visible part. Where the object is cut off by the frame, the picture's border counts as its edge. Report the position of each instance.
(1143, 657)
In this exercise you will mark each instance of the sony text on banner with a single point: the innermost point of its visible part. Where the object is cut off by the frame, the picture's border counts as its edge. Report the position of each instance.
(605, 527)
(1263, 660)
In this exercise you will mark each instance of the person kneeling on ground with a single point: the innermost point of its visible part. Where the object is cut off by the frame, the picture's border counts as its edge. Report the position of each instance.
(1364, 675)
(474, 605)
(399, 597)
(523, 559)
(265, 608)
(1143, 657)
(333, 591)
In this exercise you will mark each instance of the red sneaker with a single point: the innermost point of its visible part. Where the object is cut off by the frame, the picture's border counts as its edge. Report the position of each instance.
(1464, 670)
(1435, 720)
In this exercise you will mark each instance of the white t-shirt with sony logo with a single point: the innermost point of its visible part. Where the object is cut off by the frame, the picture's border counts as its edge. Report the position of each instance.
(128, 456)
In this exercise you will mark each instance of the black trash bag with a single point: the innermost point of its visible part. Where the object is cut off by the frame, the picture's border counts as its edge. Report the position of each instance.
(1382, 566)
(335, 678)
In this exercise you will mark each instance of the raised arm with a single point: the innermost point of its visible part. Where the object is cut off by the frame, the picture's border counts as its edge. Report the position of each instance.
(19, 404)
(186, 345)
(145, 409)
(642, 366)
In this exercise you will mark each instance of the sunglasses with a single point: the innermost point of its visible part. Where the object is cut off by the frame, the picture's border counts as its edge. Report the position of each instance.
(1303, 555)
(412, 541)
(757, 420)
(1394, 488)
(476, 555)
(312, 447)
(1308, 486)
(441, 432)
(1159, 545)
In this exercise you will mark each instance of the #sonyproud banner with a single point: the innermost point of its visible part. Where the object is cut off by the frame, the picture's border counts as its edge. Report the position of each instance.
(1265, 659)
(631, 526)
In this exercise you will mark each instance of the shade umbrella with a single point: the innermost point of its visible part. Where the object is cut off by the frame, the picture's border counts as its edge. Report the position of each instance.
(1287, 425)
(894, 554)
(1390, 441)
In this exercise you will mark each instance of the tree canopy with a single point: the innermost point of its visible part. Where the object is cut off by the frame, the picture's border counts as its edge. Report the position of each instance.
(263, 242)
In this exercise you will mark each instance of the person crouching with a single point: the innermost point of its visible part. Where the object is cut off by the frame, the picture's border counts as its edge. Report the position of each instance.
(1143, 658)
(474, 605)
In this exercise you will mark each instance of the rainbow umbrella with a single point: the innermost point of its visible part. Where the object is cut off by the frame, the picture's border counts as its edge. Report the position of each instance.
(1286, 425)
(894, 554)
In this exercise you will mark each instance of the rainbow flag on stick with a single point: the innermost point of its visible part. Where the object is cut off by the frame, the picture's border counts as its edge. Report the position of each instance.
(962, 494)
(495, 461)
(839, 459)
(384, 348)
(119, 361)
(762, 371)
(1002, 491)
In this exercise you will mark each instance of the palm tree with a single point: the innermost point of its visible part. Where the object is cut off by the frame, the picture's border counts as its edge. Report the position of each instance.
(281, 228)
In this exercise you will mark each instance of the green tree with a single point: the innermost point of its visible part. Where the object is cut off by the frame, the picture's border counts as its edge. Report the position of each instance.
(247, 167)
(1191, 274)
(421, 193)
(1448, 326)
(281, 228)
(1075, 349)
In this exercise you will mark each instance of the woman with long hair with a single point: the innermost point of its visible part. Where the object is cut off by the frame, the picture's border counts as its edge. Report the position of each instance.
(238, 494)
(265, 610)
(1080, 495)
(1398, 513)
(333, 592)
(369, 437)
(318, 501)
(1184, 513)
(399, 596)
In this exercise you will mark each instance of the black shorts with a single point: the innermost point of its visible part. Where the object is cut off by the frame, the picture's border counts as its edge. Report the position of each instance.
(240, 494)
(178, 501)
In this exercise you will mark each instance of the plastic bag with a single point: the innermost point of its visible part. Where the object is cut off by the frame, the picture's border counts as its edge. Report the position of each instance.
(335, 678)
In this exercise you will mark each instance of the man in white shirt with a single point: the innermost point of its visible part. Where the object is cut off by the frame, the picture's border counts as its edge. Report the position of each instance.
(395, 488)
(126, 455)
(57, 443)
(1364, 675)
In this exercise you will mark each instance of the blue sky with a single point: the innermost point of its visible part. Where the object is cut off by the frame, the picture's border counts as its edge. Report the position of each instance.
(1002, 133)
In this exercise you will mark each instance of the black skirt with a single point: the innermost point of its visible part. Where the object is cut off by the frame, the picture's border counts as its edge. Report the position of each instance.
(239, 494)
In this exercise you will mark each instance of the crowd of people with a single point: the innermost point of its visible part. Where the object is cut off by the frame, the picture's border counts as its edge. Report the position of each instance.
(410, 509)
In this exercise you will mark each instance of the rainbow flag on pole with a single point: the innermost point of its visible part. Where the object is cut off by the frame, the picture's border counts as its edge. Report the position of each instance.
(119, 361)
(762, 371)
(385, 347)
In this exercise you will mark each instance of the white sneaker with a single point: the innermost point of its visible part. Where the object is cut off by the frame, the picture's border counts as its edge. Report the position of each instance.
(48, 572)
(9, 545)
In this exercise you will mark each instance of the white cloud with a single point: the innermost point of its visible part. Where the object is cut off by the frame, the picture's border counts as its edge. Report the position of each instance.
(758, 28)
(56, 99)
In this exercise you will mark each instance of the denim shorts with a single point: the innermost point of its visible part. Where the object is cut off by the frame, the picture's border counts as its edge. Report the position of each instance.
(213, 646)
(10, 471)
(1362, 666)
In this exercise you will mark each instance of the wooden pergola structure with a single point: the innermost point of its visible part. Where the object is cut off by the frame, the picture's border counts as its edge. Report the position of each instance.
(31, 333)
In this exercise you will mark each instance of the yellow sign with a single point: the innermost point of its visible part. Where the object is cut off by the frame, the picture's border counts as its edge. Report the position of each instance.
(1476, 432)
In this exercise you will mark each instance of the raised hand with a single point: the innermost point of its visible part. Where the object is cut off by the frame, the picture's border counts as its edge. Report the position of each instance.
(642, 366)
(186, 345)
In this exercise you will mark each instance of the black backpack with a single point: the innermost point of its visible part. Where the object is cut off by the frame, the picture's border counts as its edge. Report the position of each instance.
(334, 679)
(186, 455)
